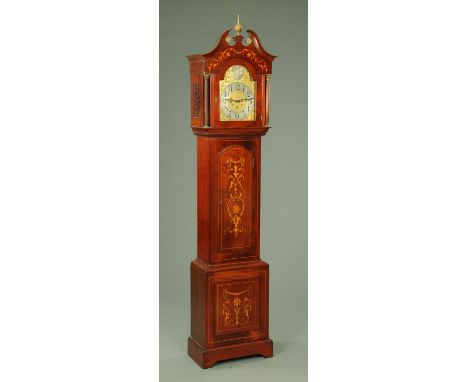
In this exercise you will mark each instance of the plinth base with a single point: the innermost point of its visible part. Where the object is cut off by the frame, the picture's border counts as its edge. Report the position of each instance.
(206, 358)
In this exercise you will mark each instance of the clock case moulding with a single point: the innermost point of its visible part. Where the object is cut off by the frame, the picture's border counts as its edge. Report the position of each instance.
(229, 281)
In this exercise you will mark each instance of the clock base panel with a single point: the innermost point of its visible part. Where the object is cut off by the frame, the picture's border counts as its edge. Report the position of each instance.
(206, 358)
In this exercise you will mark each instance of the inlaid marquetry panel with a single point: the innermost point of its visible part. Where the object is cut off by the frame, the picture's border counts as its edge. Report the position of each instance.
(237, 306)
(235, 197)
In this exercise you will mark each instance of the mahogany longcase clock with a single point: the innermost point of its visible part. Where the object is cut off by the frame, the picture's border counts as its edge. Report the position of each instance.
(229, 282)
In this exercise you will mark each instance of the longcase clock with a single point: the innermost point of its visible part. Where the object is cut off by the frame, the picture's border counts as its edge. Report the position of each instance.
(230, 91)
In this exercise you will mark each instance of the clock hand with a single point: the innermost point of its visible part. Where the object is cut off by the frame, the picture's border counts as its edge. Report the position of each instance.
(239, 100)
(230, 100)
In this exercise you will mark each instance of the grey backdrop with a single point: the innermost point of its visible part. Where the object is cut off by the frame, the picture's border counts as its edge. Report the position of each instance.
(190, 27)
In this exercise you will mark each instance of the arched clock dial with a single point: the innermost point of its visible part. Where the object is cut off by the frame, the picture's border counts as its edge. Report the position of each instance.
(237, 95)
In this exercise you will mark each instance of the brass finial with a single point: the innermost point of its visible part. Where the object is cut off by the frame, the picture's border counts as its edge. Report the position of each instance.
(238, 27)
